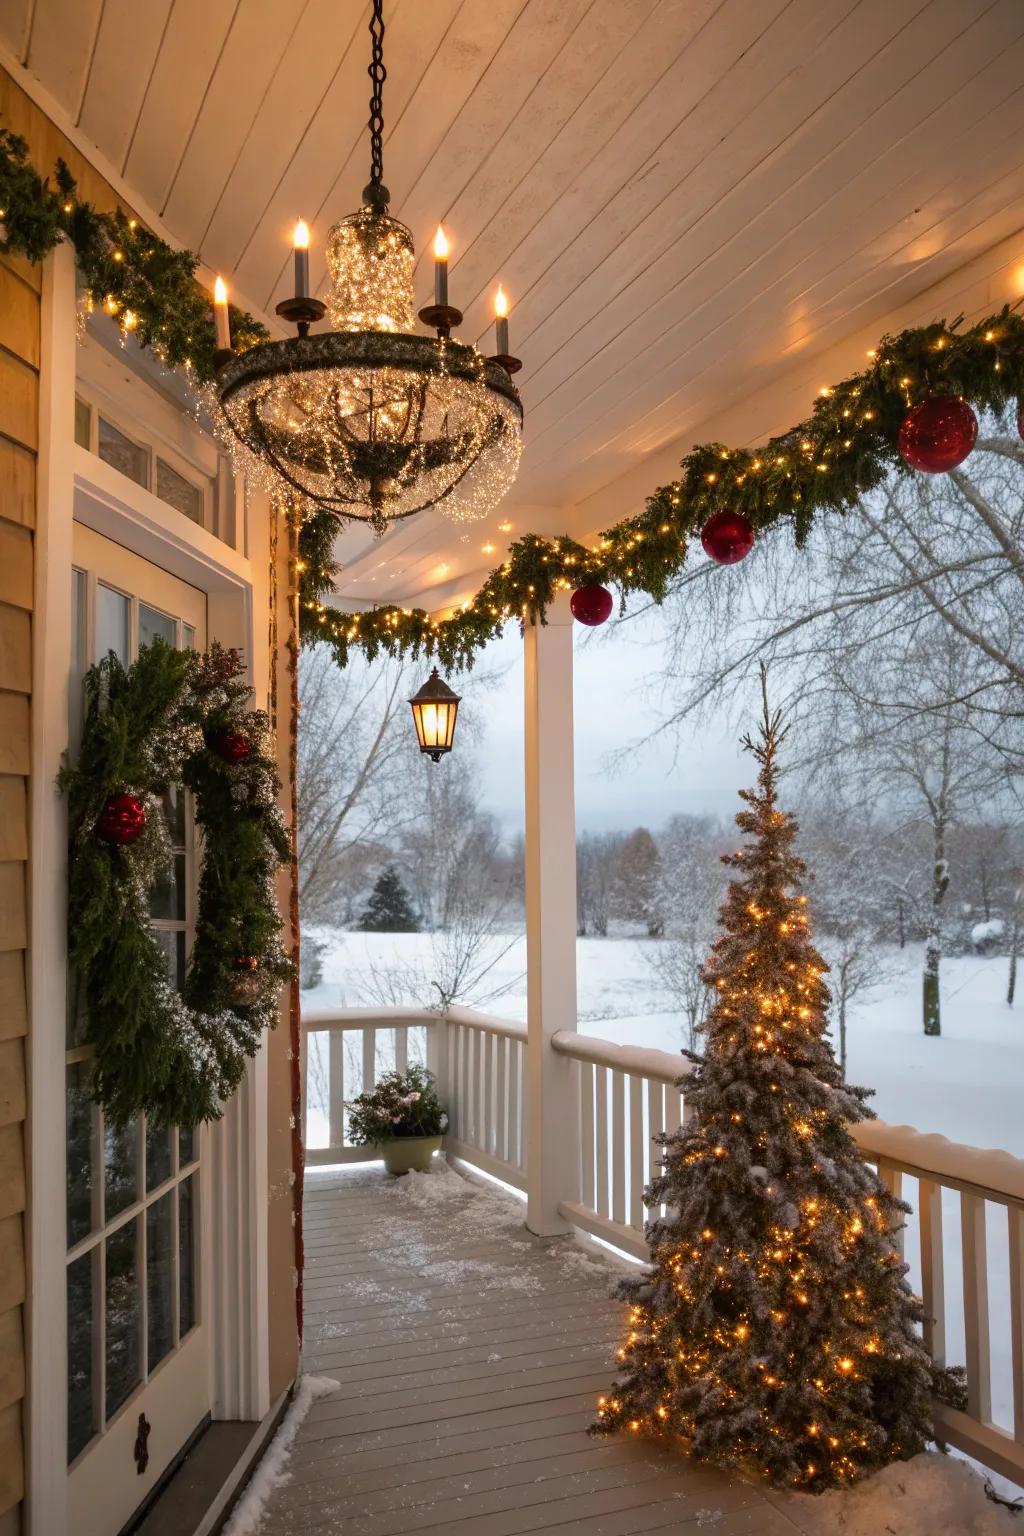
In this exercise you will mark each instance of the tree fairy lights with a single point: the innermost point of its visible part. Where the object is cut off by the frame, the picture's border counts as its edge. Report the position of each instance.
(776, 1331)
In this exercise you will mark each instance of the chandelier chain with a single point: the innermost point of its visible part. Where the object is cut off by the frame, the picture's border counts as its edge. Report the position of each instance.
(378, 74)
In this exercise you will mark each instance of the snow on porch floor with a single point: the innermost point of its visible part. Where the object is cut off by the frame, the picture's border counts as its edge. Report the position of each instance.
(469, 1356)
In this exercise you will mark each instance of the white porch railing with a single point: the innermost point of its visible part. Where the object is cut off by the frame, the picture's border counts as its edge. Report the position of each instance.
(968, 1205)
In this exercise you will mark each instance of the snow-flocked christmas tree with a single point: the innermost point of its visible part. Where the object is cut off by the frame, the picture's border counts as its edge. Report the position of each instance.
(775, 1331)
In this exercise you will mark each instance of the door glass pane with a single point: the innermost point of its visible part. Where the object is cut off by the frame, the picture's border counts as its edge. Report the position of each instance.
(83, 418)
(121, 1158)
(121, 453)
(188, 637)
(173, 946)
(174, 811)
(178, 492)
(188, 1216)
(158, 1155)
(188, 1148)
(80, 1133)
(160, 1279)
(113, 612)
(80, 1409)
(153, 623)
(123, 1362)
(167, 898)
(78, 661)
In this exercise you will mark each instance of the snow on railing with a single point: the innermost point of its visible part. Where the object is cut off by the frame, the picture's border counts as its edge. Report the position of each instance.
(964, 1239)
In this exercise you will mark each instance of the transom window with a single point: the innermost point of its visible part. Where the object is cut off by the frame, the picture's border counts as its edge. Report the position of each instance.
(182, 487)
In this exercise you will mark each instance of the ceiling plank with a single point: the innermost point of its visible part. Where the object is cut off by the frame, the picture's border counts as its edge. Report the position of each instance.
(60, 49)
(191, 45)
(126, 50)
(262, 35)
(16, 26)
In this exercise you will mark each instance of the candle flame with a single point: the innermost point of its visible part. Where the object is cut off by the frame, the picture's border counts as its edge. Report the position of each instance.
(220, 291)
(501, 303)
(440, 244)
(300, 236)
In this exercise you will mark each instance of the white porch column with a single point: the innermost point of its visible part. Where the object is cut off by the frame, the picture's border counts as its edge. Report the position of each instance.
(553, 1141)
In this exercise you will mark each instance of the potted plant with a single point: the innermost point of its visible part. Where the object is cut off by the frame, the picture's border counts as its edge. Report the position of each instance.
(403, 1116)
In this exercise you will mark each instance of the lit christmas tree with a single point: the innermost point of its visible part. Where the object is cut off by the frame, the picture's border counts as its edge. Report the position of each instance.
(776, 1331)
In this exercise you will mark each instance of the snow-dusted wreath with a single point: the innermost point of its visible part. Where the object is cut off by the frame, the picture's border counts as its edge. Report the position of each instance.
(173, 718)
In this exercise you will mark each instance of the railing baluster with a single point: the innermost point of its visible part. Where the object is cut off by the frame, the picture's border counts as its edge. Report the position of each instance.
(587, 1195)
(1015, 1222)
(501, 1046)
(892, 1178)
(619, 1148)
(602, 1204)
(637, 1146)
(655, 1125)
(976, 1334)
(516, 1138)
(369, 1058)
(461, 1098)
(336, 1088)
(401, 1047)
(933, 1287)
(486, 1092)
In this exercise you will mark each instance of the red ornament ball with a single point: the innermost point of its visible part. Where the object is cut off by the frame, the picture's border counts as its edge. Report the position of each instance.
(727, 537)
(591, 605)
(233, 746)
(938, 434)
(121, 820)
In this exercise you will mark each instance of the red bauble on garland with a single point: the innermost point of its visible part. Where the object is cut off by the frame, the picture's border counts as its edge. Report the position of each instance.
(727, 537)
(121, 820)
(591, 604)
(233, 746)
(938, 434)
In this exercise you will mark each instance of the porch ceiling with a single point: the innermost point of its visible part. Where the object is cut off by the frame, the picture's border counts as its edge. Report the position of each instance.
(686, 199)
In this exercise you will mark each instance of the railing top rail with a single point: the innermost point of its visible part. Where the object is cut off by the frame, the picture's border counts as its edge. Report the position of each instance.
(360, 1018)
(387, 1018)
(992, 1173)
(639, 1061)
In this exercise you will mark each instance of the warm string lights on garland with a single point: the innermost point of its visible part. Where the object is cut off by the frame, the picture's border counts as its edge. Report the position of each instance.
(727, 495)
(775, 1332)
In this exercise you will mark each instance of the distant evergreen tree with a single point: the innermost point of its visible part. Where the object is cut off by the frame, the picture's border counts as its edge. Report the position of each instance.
(776, 1330)
(389, 909)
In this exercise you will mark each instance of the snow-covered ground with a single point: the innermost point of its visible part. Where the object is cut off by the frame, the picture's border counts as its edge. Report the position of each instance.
(965, 1085)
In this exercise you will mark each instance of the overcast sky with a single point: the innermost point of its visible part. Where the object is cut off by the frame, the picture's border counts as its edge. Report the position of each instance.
(698, 771)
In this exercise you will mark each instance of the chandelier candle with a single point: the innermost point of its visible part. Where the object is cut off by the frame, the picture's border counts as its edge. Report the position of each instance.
(220, 315)
(300, 245)
(501, 322)
(440, 267)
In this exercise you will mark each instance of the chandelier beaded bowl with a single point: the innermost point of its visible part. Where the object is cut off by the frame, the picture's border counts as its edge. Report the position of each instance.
(369, 420)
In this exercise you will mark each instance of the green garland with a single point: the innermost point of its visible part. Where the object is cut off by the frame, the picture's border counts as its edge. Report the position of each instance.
(166, 720)
(824, 464)
(137, 278)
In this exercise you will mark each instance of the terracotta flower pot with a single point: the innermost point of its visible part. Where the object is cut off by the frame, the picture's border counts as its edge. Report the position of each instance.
(410, 1154)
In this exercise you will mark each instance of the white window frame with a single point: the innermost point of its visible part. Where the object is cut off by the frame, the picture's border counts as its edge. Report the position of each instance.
(154, 448)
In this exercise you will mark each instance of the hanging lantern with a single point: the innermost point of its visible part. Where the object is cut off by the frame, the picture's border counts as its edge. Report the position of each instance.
(434, 710)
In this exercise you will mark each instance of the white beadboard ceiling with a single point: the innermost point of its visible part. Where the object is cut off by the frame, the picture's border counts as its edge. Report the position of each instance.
(687, 200)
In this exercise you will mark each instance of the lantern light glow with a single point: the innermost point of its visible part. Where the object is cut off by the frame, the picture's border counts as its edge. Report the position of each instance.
(434, 711)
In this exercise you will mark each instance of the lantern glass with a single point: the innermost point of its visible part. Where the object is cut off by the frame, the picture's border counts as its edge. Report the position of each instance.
(434, 711)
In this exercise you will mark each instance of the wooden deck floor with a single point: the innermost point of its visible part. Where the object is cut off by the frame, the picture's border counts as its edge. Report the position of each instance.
(469, 1356)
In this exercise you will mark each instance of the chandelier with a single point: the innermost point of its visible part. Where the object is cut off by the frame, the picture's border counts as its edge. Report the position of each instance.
(369, 420)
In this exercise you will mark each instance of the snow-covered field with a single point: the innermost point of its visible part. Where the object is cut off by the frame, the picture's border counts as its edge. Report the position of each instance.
(965, 1085)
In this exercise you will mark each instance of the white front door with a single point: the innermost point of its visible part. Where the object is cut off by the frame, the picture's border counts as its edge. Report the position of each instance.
(138, 1370)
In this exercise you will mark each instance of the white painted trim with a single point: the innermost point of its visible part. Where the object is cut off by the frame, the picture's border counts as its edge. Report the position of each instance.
(47, 969)
(552, 1097)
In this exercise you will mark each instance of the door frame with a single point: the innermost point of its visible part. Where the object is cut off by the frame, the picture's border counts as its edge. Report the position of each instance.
(75, 485)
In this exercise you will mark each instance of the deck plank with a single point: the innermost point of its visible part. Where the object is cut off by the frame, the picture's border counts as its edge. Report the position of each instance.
(469, 1355)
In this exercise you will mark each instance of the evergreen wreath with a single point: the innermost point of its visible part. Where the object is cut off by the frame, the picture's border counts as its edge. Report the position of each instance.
(173, 718)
